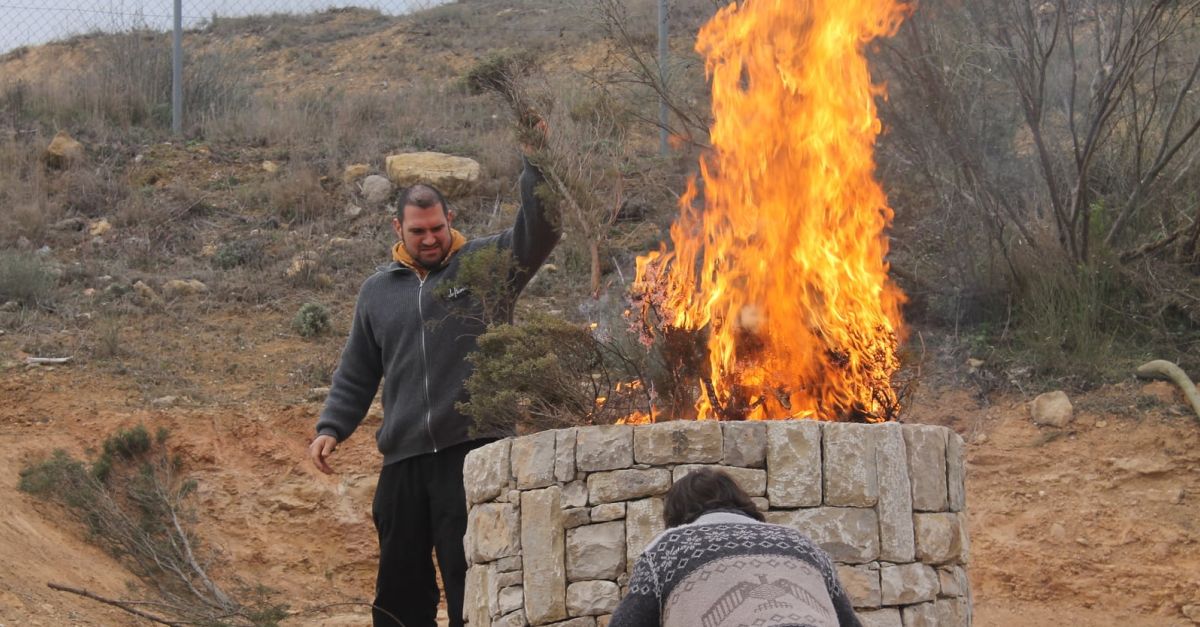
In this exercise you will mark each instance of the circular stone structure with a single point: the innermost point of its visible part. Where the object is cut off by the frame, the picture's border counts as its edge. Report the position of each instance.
(557, 519)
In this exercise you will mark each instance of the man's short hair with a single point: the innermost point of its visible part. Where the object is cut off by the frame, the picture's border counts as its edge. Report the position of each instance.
(702, 491)
(420, 195)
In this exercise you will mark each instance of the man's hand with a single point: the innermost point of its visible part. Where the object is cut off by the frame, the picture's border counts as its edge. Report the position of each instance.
(533, 133)
(320, 450)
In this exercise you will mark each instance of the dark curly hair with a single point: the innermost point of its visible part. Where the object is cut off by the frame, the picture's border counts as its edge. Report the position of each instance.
(705, 490)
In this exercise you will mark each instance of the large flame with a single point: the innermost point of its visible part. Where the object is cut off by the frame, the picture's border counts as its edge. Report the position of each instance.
(784, 264)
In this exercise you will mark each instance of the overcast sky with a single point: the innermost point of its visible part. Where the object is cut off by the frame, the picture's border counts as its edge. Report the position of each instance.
(29, 22)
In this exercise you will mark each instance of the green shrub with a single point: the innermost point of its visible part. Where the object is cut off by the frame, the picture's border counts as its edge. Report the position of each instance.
(312, 320)
(243, 252)
(25, 278)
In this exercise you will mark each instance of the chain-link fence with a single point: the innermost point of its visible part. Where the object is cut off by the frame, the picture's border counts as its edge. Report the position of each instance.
(33, 22)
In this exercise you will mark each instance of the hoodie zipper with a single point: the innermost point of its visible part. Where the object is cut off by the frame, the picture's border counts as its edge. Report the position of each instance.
(425, 362)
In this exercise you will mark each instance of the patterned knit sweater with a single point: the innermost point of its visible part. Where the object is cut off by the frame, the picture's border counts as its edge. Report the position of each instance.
(727, 569)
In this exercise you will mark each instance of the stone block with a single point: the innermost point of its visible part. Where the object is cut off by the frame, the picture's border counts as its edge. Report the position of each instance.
(623, 485)
(592, 598)
(850, 475)
(849, 534)
(486, 471)
(761, 503)
(956, 472)
(745, 444)
(575, 494)
(582, 621)
(896, 542)
(504, 580)
(544, 548)
(954, 612)
(886, 617)
(512, 619)
(939, 539)
(678, 442)
(952, 581)
(606, 447)
(511, 599)
(794, 463)
(508, 564)
(1052, 409)
(751, 480)
(564, 454)
(533, 460)
(476, 606)
(643, 522)
(920, 615)
(925, 447)
(607, 512)
(575, 516)
(906, 584)
(861, 584)
(603, 621)
(596, 551)
(493, 532)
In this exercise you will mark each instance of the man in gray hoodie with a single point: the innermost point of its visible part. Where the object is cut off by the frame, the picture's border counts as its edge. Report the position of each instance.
(414, 326)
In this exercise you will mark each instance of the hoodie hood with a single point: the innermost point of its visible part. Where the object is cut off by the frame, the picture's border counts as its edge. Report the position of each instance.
(400, 254)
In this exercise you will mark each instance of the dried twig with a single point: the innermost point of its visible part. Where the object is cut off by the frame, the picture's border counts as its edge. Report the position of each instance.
(127, 606)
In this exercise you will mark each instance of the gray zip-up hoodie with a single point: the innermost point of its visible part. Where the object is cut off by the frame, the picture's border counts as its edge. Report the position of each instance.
(417, 337)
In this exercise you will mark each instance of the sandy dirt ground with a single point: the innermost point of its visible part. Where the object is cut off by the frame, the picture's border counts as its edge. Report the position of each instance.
(1095, 524)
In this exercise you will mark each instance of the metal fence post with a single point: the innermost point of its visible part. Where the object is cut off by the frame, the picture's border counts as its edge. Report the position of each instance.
(177, 72)
(663, 118)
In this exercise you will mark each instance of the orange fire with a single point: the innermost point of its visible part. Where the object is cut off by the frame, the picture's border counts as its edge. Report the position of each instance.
(784, 264)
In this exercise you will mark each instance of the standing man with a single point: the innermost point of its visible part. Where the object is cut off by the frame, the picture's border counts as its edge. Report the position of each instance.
(414, 326)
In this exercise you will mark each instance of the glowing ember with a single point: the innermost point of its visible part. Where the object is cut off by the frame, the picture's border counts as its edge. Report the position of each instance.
(784, 265)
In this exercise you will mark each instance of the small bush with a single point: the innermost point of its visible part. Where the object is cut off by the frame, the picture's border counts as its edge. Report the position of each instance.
(239, 253)
(25, 278)
(312, 320)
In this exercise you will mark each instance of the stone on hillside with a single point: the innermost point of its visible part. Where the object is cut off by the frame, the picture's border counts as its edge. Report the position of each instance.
(607, 447)
(849, 534)
(270, 167)
(181, 288)
(316, 395)
(376, 190)
(486, 471)
(63, 151)
(850, 475)
(354, 172)
(596, 551)
(745, 444)
(543, 544)
(592, 598)
(1052, 409)
(905, 584)
(145, 295)
(752, 481)
(353, 211)
(794, 463)
(623, 485)
(533, 460)
(99, 227)
(452, 175)
(925, 448)
(678, 442)
(69, 224)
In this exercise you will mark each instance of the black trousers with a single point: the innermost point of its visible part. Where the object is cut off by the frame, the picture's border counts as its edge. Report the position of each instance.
(420, 506)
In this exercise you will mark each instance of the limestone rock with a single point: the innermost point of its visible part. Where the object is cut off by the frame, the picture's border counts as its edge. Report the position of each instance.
(678, 442)
(180, 288)
(896, 543)
(354, 172)
(317, 395)
(492, 532)
(486, 471)
(99, 227)
(533, 460)
(745, 444)
(607, 512)
(925, 448)
(939, 540)
(270, 167)
(905, 584)
(794, 463)
(376, 190)
(564, 454)
(955, 612)
(607, 447)
(575, 494)
(63, 151)
(751, 480)
(476, 605)
(353, 211)
(510, 599)
(574, 517)
(1052, 409)
(850, 475)
(643, 522)
(145, 295)
(920, 615)
(508, 564)
(512, 619)
(956, 472)
(69, 225)
(452, 175)
(861, 584)
(886, 617)
(849, 534)
(623, 485)
(592, 598)
(543, 544)
(952, 581)
(596, 551)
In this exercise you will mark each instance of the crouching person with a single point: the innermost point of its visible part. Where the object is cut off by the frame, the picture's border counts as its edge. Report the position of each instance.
(719, 564)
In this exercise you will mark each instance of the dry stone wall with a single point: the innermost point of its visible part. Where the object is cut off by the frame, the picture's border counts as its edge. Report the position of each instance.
(557, 519)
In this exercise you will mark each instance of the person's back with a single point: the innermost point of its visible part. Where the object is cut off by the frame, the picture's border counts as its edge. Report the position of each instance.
(725, 567)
